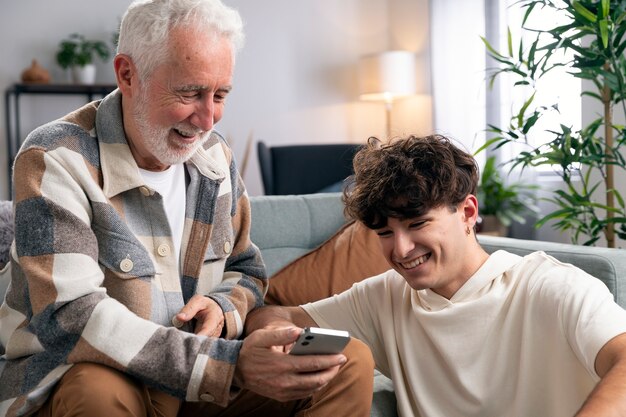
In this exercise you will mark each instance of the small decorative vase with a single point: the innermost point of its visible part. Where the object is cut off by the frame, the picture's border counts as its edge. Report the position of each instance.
(84, 75)
(35, 74)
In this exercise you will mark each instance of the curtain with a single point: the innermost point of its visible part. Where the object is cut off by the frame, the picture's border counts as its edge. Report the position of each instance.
(458, 64)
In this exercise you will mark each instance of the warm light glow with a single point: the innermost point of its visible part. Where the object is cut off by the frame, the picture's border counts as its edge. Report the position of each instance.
(387, 76)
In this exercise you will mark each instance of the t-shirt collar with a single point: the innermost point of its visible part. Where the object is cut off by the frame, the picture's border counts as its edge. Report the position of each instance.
(478, 284)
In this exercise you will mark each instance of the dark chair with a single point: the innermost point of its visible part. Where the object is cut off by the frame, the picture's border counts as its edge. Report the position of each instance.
(305, 169)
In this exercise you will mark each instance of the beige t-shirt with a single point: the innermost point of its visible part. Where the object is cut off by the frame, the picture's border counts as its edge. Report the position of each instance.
(519, 338)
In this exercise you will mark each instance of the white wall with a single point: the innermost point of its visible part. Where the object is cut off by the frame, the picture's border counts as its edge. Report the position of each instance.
(294, 80)
(31, 29)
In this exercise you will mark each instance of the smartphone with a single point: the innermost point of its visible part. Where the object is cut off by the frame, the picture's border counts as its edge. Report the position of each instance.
(317, 341)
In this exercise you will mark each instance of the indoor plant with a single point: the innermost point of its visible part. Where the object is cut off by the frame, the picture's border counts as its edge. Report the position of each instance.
(588, 159)
(78, 53)
(501, 204)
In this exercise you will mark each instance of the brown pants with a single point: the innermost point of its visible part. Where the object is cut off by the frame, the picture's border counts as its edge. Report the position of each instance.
(94, 390)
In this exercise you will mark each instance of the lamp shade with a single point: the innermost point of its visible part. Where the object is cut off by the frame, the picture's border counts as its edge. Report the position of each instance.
(387, 76)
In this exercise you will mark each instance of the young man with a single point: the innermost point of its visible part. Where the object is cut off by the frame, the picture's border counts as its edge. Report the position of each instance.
(132, 271)
(460, 332)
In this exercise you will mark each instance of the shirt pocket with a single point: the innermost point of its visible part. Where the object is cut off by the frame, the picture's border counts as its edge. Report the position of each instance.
(218, 249)
(221, 241)
(123, 254)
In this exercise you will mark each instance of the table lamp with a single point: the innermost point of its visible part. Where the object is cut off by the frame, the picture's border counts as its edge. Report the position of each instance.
(387, 77)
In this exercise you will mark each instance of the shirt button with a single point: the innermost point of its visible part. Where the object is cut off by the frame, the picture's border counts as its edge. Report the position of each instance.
(207, 397)
(163, 250)
(145, 191)
(227, 247)
(126, 265)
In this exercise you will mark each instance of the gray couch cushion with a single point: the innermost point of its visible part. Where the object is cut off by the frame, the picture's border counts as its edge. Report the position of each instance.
(304, 223)
(384, 399)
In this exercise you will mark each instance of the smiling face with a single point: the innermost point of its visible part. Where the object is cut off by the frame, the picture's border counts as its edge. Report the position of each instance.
(169, 115)
(434, 250)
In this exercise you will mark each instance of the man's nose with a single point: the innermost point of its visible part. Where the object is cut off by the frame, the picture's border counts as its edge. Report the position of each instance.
(403, 245)
(205, 114)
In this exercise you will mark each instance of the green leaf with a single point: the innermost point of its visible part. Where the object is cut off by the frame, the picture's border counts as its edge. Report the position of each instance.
(591, 94)
(618, 196)
(554, 215)
(604, 32)
(619, 32)
(583, 11)
(616, 220)
(487, 144)
(620, 49)
(531, 56)
(520, 115)
(528, 12)
(605, 8)
(530, 122)
(490, 48)
(591, 241)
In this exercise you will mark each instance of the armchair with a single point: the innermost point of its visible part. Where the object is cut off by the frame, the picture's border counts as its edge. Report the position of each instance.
(305, 169)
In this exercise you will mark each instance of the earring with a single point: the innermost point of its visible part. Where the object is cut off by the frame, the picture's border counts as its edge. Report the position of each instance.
(467, 230)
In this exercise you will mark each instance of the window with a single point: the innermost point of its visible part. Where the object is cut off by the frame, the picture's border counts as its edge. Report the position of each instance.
(557, 91)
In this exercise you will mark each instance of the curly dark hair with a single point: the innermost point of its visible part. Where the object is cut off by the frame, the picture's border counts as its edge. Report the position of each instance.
(407, 177)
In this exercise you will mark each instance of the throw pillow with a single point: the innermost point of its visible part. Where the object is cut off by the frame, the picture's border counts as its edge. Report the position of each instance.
(349, 256)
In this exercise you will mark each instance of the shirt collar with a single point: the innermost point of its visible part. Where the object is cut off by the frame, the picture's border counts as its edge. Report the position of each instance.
(478, 284)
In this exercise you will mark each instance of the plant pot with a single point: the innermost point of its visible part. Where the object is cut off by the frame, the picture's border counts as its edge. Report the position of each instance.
(84, 75)
(492, 226)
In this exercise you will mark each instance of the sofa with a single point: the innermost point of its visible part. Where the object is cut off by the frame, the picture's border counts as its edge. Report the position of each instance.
(312, 251)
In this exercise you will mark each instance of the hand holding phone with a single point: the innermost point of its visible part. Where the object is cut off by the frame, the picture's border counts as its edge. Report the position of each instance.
(318, 341)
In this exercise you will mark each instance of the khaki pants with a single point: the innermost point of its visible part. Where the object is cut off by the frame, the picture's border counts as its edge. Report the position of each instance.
(94, 390)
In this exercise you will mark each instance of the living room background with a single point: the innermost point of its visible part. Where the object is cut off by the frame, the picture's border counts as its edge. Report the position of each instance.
(295, 79)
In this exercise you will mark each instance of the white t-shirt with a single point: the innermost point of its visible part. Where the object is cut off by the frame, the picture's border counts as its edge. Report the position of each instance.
(519, 338)
(170, 184)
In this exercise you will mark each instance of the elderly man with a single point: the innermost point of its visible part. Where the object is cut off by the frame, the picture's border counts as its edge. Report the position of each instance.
(132, 271)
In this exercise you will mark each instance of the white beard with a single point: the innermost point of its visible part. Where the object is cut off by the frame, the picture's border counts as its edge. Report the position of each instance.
(156, 138)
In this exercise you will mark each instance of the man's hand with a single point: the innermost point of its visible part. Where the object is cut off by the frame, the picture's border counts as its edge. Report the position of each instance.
(264, 368)
(208, 314)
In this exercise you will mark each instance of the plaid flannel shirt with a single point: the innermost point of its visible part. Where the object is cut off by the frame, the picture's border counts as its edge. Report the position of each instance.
(92, 275)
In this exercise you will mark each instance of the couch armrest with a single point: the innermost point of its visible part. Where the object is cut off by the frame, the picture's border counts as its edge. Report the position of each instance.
(606, 264)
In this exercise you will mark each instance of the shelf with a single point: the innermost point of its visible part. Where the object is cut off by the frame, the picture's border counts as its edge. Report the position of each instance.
(73, 89)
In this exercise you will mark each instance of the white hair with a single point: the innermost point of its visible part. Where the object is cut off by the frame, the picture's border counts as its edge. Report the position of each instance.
(146, 25)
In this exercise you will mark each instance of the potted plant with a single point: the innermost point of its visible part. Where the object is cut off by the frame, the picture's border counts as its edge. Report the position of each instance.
(501, 204)
(588, 159)
(78, 53)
